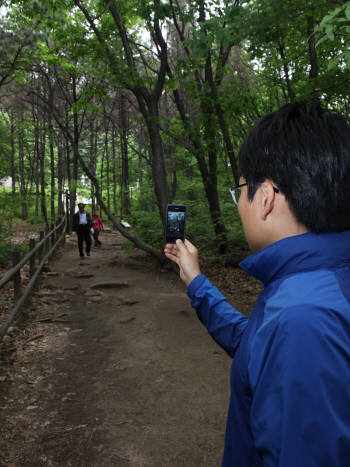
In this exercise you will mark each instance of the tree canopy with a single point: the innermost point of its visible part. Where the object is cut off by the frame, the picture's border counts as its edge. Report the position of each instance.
(136, 104)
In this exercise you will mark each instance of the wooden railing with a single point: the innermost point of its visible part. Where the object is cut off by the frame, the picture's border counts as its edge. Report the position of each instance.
(48, 243)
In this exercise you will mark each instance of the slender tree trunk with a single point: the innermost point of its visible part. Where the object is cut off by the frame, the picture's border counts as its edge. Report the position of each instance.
(107, 167)
(312, 53)
(114, 164)
(37, 169)
(42, 175)
(75, 141)
(52, 169)
(101, 174)
(60, 203)
(24, 214)
(93, 155)
(291, 94)
(13, 155)
(222, 122)
(71, 185)
(159, 177)
(124, 156)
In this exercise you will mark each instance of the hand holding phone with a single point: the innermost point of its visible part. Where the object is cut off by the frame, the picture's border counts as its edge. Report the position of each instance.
(185, 255)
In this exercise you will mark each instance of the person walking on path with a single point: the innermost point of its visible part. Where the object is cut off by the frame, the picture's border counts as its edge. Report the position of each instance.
(97, 225)
(290, 376)
(82, 225)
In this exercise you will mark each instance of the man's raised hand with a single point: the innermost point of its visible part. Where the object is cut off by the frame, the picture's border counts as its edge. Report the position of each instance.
(185, 255)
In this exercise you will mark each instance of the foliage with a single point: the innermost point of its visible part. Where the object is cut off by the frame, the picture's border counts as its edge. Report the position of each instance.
(335, 26)
(259, 53)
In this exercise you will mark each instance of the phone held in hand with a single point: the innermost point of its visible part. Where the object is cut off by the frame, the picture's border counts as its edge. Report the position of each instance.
(175, 222)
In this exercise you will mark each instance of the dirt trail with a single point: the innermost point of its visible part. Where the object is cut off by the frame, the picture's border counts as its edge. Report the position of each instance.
(122, 376)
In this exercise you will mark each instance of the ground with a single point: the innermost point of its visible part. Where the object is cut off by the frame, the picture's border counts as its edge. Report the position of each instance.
(115, 375)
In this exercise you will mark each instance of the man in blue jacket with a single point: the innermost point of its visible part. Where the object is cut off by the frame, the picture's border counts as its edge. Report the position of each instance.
(290, 376)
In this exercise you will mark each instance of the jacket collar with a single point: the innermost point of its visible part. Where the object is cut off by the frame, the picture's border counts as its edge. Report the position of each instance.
(299, 253)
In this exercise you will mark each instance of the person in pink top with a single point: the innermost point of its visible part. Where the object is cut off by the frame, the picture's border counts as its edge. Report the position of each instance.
(97, 225)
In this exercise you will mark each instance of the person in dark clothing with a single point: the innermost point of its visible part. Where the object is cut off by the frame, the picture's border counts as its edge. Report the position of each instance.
(82, 225)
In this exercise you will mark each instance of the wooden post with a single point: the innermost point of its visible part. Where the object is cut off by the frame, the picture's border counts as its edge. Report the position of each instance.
(47, 241)
(52, 235)
(32, 259)
(42, 248)
(17, 289)
(59, 231)
(67, 214)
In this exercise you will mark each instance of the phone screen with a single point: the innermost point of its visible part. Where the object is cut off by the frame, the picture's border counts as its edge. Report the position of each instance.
(175, 222)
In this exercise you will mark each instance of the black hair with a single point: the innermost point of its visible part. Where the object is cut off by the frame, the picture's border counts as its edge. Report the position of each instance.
(304, 150)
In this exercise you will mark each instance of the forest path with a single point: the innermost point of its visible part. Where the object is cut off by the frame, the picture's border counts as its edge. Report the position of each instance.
(122, 376)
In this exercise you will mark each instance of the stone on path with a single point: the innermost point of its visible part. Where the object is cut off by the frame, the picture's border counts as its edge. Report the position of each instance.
(71, 287)
(93, 293)
(44, 293)
(109, 285)
(84, 275)
(96, 299)
(129, 301)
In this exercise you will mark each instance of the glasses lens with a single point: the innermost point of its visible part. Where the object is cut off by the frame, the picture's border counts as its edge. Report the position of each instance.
(234, 194)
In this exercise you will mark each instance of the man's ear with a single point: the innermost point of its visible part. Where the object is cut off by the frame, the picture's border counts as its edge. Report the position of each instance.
(267, 200)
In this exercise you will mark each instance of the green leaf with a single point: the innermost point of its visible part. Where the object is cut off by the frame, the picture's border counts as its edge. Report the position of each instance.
(333, 63)
(330, 32)
(347, 12)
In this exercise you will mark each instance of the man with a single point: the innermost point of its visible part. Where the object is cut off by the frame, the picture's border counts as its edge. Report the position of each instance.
(82, 225)
(290, 376)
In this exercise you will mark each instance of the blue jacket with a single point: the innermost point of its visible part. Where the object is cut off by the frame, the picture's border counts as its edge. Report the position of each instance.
(290, 377)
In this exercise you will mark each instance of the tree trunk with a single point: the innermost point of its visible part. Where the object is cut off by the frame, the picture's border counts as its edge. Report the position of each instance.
(107, 168)
(60, 178)
(13, 155)
(159, 177)
(52, 169)
(37, 169)
(93, 155)
(312, 54)
(291, 94)
(42, 175)
(124, 156)
(114, 164)
(75, 148)
(24, 213)
(71, 188)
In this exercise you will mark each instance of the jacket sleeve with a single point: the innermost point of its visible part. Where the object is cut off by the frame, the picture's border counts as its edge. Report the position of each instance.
(224, 323)
(101, 224)
(299, 371)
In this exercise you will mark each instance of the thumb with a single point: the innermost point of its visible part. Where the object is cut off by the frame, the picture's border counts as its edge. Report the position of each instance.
(190, 247)
(180, 245)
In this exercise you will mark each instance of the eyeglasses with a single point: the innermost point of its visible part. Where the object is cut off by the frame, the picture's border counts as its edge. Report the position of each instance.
(236, 192)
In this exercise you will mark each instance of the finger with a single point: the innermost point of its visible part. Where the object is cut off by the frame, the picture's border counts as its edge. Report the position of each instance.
(172, 249)
(170, 246)
(172, 257)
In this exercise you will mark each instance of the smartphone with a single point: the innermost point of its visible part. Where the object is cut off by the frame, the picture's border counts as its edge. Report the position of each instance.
(175, 222)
